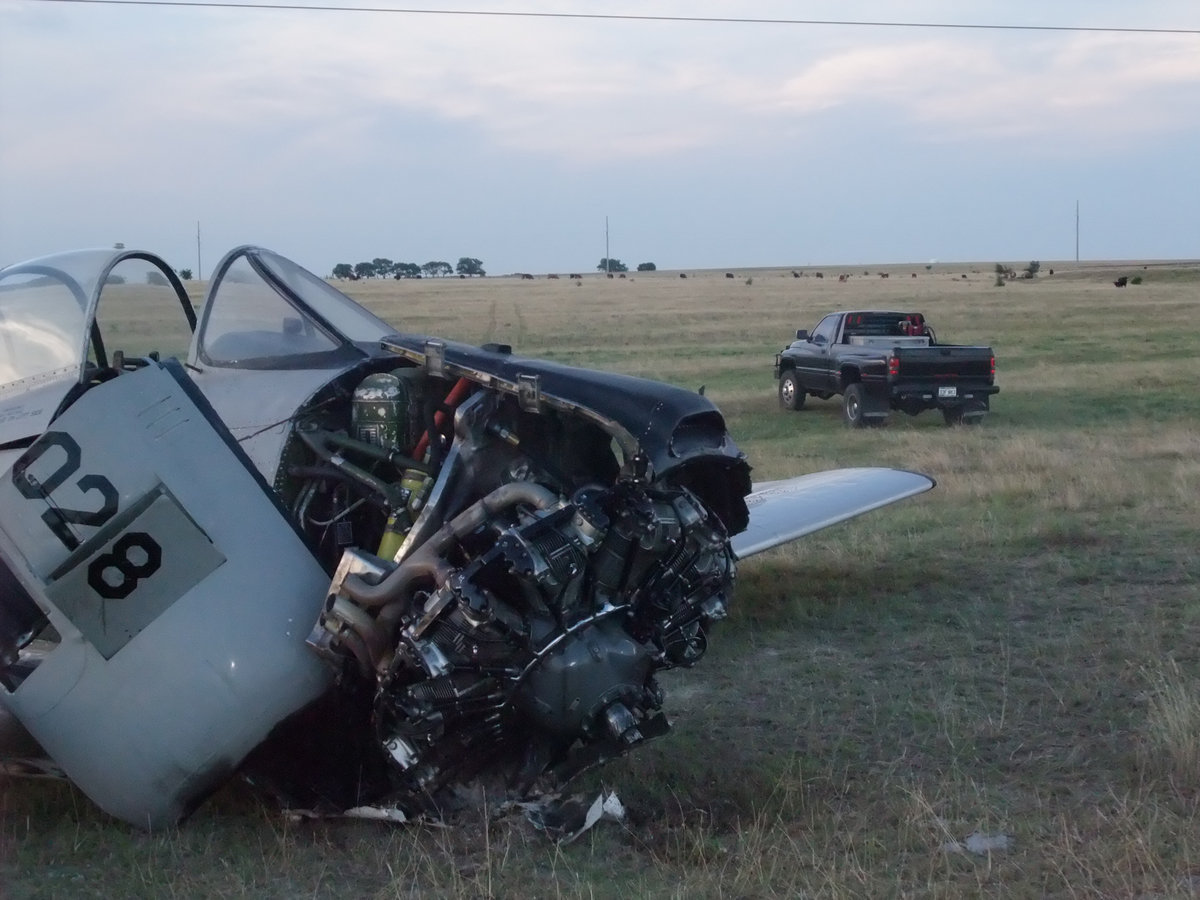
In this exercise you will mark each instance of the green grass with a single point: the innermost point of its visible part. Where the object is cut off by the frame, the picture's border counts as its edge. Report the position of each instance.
(1015, 653)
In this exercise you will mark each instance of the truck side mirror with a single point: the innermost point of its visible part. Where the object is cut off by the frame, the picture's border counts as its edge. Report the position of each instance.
(802, 334)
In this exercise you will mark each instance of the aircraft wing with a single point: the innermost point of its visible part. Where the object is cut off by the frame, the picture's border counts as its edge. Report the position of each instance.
(781, 511)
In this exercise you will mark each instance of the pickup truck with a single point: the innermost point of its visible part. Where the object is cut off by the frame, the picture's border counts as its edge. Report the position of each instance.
(880, 360)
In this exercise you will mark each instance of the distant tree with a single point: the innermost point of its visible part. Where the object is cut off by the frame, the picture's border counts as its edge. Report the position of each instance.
(647, 267)
(406, 270)
(436, 268)
(1031, 270)
(383, 266)
(364, 270)
(612, 265)
(343, 271)
(468, 265)
(158, 279)
(185, 274)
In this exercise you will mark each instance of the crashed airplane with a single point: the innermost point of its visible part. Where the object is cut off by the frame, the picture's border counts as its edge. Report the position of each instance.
(358, 567)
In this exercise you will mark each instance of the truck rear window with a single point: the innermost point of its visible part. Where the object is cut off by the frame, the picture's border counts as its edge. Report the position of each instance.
(883, 324)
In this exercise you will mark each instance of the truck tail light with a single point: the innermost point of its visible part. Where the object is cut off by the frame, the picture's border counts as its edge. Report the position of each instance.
(894, 366)
(993, 368)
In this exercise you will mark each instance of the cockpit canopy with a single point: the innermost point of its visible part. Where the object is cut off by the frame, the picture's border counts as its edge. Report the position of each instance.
(265, 312)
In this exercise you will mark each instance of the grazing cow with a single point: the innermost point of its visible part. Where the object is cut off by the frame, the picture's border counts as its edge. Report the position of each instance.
(1122, 281)
(575, 275)
(795, 274)
(728, 274)
(914, 274)
(683, 275)
(622, 275)
(608, 274)
(884, 275)
(820, 274)
(552, 275)
(843, 277)
(526, 276)
(964, 275)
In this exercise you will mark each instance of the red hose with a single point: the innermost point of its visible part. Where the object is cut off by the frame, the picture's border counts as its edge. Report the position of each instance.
(457, 395)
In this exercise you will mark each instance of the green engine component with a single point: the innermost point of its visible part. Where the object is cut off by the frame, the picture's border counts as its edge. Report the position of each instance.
(387, 409)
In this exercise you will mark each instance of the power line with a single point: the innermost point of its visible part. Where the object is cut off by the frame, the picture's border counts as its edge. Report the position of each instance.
(621, 17)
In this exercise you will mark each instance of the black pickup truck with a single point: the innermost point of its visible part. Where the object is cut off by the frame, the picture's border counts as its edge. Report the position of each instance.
(879, 361)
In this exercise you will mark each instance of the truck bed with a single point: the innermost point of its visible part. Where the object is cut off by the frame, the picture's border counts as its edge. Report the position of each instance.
(870, 340)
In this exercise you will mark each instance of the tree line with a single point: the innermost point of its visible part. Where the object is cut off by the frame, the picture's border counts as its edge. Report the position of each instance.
(613, 264)
(381, 267)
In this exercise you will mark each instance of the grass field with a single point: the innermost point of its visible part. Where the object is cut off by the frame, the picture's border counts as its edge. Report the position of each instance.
(1012, 659)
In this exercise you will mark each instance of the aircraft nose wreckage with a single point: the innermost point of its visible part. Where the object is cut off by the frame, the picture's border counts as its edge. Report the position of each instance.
(357, 566)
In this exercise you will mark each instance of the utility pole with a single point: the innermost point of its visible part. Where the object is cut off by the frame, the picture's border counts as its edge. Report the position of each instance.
(607, 258)
(199, 269)
(1076, 231)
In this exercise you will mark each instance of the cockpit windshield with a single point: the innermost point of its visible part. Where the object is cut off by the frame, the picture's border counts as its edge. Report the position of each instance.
(66, 315)
(41, 326)
(45, 309)
(346, 316)
(264, 311)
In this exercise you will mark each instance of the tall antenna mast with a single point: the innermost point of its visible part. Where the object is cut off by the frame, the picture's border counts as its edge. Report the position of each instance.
(199, 269)
(607, 258)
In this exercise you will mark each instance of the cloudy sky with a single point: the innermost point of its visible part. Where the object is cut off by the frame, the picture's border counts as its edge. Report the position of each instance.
(338, 136)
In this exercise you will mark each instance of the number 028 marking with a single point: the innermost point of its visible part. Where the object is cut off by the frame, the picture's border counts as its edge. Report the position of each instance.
(134, 556)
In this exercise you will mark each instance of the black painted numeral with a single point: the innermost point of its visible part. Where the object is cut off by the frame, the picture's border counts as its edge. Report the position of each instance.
(119, 561)
(59, 518)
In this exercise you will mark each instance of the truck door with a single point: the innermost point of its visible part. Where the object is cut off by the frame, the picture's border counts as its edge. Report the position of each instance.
(818, 363)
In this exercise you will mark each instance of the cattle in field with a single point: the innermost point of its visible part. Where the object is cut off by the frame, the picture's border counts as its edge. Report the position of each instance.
(914, 274)
(683, 274)
(552, 275)
(608, 274)
(884, 275)
(622, 275)
(525, 276)
(820, 274)
(843, 277)
(575, 275)
(1122, 281)
(728, 274)
(795, 274)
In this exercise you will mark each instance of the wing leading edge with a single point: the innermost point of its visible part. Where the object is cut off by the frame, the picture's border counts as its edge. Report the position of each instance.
(781, 511)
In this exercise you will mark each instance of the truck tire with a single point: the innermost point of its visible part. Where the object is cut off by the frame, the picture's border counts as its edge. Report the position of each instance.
(791, 395)
(852, 406)
(957, 415)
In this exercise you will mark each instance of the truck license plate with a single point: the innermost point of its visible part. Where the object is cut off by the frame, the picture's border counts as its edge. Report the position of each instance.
(947, 392)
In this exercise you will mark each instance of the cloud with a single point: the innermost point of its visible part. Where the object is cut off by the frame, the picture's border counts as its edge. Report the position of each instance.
(575, 92)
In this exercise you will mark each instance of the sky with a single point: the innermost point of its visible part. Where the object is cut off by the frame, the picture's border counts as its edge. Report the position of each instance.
(528, 141)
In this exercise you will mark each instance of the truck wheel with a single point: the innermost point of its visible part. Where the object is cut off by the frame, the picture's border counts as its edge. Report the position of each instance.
(791, 395)
(957, 415)
(852, 406)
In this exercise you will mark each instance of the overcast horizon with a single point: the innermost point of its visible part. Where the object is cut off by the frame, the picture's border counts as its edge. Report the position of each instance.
(339, 136)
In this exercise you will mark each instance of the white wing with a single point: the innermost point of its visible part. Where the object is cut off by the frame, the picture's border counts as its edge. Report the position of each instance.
(781, 511)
